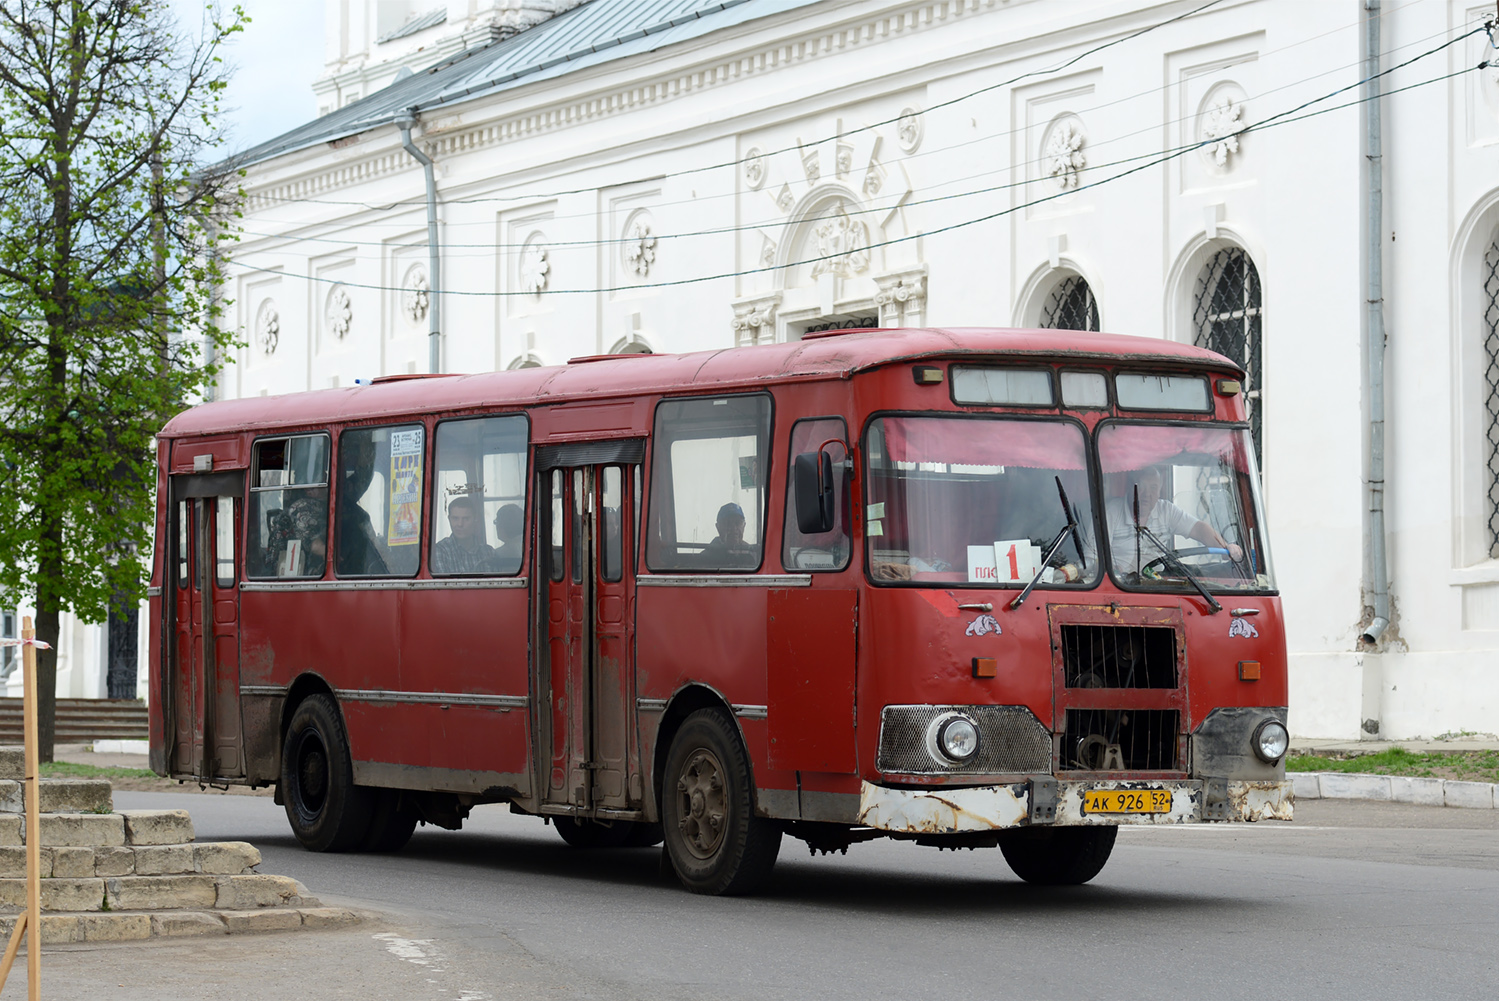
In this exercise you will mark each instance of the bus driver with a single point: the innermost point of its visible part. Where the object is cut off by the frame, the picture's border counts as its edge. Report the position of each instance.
(1162, 520)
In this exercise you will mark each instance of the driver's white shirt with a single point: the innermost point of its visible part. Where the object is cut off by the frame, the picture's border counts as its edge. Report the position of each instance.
(1165, 521)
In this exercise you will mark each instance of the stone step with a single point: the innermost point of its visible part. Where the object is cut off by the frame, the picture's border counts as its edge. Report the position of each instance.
(127, 926)
(80, 721)
(102, 830)
(60, 796)
(247, 891)
(214, 858)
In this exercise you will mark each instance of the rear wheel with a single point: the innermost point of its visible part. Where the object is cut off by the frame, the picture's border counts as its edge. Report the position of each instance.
(327, 811)
(390, 826)
(1058, 856)
(714, 840)
(585, 833)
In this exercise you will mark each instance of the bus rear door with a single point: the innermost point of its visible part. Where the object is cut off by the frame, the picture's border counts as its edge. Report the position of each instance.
(588, 691)
(205, 728)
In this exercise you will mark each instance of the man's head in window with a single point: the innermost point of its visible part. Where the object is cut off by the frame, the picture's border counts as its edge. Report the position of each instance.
(509, 520)
(731, 526)
(357, 455)
(463, 519)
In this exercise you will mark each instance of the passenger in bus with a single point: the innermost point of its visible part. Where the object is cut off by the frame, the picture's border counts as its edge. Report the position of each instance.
(509, 527)
(358, 548)
(464, 550)
(298, 542)
(729, 550)
(1133, 549)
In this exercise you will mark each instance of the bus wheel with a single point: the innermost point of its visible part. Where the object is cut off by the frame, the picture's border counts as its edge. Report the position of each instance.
(591, 834)
(327, 811)
(715, 841)
(390, 827)
(1058, 856)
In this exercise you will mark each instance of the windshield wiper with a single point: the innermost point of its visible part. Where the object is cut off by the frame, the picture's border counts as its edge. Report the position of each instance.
(1068, 529)
(1170, 558)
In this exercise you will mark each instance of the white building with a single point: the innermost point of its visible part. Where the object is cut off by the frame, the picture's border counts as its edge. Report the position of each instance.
(680, 174)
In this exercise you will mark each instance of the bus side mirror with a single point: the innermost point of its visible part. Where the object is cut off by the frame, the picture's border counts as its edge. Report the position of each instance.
(812, 479)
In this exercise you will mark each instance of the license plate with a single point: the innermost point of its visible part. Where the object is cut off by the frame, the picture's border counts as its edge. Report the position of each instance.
(1127, 801)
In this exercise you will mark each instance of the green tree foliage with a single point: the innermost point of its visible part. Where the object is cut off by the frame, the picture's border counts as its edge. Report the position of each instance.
(109, 221)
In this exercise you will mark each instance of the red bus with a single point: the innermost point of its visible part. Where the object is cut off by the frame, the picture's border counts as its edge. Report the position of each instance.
(965, 587)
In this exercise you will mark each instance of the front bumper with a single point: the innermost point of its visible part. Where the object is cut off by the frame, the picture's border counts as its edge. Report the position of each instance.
(936, 810)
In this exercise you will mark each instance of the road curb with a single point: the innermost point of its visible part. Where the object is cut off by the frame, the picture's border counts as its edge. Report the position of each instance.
(1395, 789)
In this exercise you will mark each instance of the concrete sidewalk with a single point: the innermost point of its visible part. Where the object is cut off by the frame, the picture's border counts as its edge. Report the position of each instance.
(1454, 745)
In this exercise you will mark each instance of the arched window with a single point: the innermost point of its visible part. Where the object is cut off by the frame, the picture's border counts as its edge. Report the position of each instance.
(1491, 391)
(1227, 318)
(1070, 306)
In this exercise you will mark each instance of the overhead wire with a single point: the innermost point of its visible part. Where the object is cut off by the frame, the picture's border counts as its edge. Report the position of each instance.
(1154, 157)
(1283, 118)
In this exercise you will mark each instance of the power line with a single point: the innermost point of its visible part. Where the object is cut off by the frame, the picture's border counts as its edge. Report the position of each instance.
(1284, 118)
(718, 231)
(818, 142)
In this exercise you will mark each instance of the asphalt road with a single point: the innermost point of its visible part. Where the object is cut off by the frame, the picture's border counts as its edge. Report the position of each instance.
(1354, 900)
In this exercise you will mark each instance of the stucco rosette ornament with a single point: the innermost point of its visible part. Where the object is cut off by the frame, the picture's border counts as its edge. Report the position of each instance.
(908, 130)
(534, 269)
(268, 327)
(754, 168)
(640, 249)
(1063, 157)
(340, 312)
(1221, 123)
(416, 297)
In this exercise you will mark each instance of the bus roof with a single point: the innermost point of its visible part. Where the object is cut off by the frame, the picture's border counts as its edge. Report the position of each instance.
(832, 355)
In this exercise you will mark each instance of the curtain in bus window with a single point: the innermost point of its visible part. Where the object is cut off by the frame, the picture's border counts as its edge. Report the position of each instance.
(378, 525)
(828, 550)
(288, 516)
(976, 501)
(479, 521)
(708, 477)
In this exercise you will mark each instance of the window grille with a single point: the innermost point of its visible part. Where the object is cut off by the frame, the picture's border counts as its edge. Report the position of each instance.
(1070, 306)
(845, 323)
(1227, 316)
(1491, 394)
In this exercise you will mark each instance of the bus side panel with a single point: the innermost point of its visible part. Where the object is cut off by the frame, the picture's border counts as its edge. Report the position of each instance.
(464, 641)
(1217, 644)
(812, 641)
(715, 636)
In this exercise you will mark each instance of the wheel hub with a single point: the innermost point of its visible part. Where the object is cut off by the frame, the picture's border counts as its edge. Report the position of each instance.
(312, 773)
(702, 803)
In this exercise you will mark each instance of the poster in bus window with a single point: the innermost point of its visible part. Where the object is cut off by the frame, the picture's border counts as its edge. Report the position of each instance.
(405, 488)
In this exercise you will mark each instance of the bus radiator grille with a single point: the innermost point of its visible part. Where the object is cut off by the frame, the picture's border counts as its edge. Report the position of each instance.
(1147, 740)
(1011, 741)
(1095, 656)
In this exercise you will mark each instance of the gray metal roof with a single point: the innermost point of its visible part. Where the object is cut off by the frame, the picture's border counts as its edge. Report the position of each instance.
(419, 22)
(597, 32)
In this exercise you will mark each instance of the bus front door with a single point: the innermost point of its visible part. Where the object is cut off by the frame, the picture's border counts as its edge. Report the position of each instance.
(206, 732)
(592, 737)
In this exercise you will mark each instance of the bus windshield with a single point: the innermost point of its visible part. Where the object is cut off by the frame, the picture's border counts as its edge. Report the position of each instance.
(978, 501)
(1182, 501)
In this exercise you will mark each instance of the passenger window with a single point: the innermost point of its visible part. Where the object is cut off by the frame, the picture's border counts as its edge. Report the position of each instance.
(611, 545)
(223, 526)
(378, 528)
(825, 550)
(558, 526)
(288, 518)
(708, 476)
(479, 520)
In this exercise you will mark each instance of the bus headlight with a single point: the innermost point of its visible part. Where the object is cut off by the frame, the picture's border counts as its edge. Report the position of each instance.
(958, 738)
(1270, 740)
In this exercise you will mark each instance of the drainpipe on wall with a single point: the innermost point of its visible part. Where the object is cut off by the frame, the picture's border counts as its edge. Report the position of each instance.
(434, 306)
(1379, 583)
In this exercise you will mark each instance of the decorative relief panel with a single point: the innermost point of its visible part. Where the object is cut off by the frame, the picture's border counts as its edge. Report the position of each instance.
(1220, 119)
(639, 245)
(1482, 87)
(1211, 112)
(1053, 146)
(415, 294)
(909, 129)
(841, 242)
(268, 327)
(1062, 156)
(338, 312)
(533, 267)
(754, 168)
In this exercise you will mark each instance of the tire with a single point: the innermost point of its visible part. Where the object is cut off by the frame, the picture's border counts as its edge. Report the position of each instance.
(390, 827)
(1058, 856)
(327, 811)
(714, 840)
(584, 833)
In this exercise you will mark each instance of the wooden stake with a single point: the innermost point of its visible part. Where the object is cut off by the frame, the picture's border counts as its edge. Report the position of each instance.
(30, 922)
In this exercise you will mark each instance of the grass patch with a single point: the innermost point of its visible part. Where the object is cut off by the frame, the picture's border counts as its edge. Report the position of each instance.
(1468, 766)
(69, 770)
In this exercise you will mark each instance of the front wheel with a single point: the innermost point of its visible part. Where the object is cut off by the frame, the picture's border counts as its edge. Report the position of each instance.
(327, 811)
(1058, 856)
(714, 840)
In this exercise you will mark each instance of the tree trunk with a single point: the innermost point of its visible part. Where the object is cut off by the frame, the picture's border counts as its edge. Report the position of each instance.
(47, 629)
